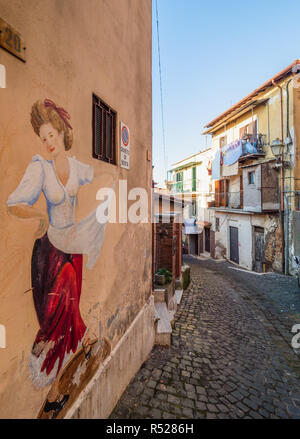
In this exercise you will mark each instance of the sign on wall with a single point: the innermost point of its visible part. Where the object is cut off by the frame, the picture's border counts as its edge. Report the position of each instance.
(125, 147)
(11, 40)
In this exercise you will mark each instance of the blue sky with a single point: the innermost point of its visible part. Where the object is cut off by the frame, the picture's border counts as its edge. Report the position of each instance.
(213, 53)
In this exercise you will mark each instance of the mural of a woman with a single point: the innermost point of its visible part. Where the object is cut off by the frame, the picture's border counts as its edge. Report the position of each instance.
(57, 254)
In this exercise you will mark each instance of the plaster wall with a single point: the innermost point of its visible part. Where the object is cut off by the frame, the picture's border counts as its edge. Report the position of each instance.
(103, 392)
(74, 49)
(252, 192)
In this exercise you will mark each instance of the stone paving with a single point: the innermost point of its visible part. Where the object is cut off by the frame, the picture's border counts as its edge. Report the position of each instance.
(231, 354)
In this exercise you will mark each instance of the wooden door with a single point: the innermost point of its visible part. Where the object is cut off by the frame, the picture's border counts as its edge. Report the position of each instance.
(196, 245)
(212, 243)
(200, 242)
(259, 248)
(234, 244)
(207, 239)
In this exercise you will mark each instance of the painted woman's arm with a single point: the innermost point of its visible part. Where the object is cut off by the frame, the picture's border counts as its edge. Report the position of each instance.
(27, 212)
(20, 202)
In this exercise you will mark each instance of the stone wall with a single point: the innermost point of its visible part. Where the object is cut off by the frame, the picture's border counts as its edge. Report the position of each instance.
(273, 243)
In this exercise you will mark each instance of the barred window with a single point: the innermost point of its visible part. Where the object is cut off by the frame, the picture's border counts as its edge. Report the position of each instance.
(104, 131)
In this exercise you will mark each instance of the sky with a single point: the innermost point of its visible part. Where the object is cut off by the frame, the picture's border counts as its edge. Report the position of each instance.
(213, 53)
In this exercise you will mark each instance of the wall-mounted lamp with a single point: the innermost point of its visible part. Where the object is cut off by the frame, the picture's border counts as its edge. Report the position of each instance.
(276, 147)
(278, 150)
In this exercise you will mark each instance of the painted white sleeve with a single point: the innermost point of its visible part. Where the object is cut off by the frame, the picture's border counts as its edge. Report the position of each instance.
(85, 173)
(30, 186)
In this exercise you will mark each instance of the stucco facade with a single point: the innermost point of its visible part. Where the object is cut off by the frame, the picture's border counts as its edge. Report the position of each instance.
(75, 49)
(256, 183)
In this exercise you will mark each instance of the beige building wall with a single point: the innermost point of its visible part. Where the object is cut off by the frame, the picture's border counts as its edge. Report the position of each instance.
(74, 49)
(267, 115)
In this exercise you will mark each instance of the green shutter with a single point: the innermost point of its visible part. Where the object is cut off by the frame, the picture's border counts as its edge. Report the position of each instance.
(194, 179)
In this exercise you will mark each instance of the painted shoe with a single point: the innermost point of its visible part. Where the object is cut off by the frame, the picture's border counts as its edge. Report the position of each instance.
(56, 406)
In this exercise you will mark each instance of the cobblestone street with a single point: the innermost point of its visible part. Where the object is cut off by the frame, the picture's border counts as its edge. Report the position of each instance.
(231, 354)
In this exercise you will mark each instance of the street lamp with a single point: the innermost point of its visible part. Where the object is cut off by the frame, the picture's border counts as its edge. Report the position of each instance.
(278, 150)
(276, 146)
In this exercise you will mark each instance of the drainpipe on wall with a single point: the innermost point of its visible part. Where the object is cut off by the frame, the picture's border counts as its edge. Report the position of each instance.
(287, 210)
(281, 177)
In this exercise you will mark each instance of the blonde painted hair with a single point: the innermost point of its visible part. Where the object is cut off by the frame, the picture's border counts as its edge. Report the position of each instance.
(41, 114)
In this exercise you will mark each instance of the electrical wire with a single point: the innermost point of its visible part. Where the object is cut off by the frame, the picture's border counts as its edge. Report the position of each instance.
(161, 91)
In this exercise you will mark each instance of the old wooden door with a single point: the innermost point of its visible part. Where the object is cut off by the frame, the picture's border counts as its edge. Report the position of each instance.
(212, 243)
(207, 239)
(234, 244)
(196, 245)
(259, 248)
(200, 242)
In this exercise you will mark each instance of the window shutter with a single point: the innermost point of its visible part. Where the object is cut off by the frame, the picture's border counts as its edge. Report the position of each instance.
(243, 131)
(104, 131)
(253, 128)
(217, 193)
(222, 186)
(226, 198)
(98, 147)
(241, 192)
(108, 137)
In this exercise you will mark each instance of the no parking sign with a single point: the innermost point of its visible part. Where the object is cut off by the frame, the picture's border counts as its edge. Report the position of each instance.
(125, 146)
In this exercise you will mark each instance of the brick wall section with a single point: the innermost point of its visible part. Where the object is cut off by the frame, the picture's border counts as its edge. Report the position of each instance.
(165, 245)
(168, 246)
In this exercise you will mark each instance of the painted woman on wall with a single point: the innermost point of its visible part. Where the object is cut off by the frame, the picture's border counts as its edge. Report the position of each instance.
(57, 254)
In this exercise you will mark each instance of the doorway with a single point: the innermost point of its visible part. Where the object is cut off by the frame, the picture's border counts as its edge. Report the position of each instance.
(207, 239)
(234, 244)
(259, 249)
(193, 247)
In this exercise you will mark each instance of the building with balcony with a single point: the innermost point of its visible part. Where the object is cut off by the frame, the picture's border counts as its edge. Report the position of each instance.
(191, 179)
(255, 211)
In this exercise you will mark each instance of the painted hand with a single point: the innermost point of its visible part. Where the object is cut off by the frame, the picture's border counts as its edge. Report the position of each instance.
(43, 227)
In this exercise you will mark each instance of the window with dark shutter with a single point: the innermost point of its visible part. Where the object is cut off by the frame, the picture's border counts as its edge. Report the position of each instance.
(217, 193)
(104, 131)
(250, 129)
(253, 128)
(243, 131)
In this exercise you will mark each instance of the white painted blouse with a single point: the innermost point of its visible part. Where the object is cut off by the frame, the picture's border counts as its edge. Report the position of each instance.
(84, 237)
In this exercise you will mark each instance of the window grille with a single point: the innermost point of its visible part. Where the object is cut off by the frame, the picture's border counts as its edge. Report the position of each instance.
(104, 131)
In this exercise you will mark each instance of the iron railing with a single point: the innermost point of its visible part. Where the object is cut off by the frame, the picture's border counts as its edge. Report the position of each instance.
(185, 186)
(253, 144)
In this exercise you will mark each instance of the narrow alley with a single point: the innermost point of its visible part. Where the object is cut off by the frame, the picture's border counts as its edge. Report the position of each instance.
(231, 353)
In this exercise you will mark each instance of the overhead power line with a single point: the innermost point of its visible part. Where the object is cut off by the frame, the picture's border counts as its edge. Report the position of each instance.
(161, 92)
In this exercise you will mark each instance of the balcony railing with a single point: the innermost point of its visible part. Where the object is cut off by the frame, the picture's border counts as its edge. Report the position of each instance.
(186, 186)
(231, 200)
(252, 144)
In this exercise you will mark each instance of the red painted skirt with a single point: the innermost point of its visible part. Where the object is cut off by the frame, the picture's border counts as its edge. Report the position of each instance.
(56, 282)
